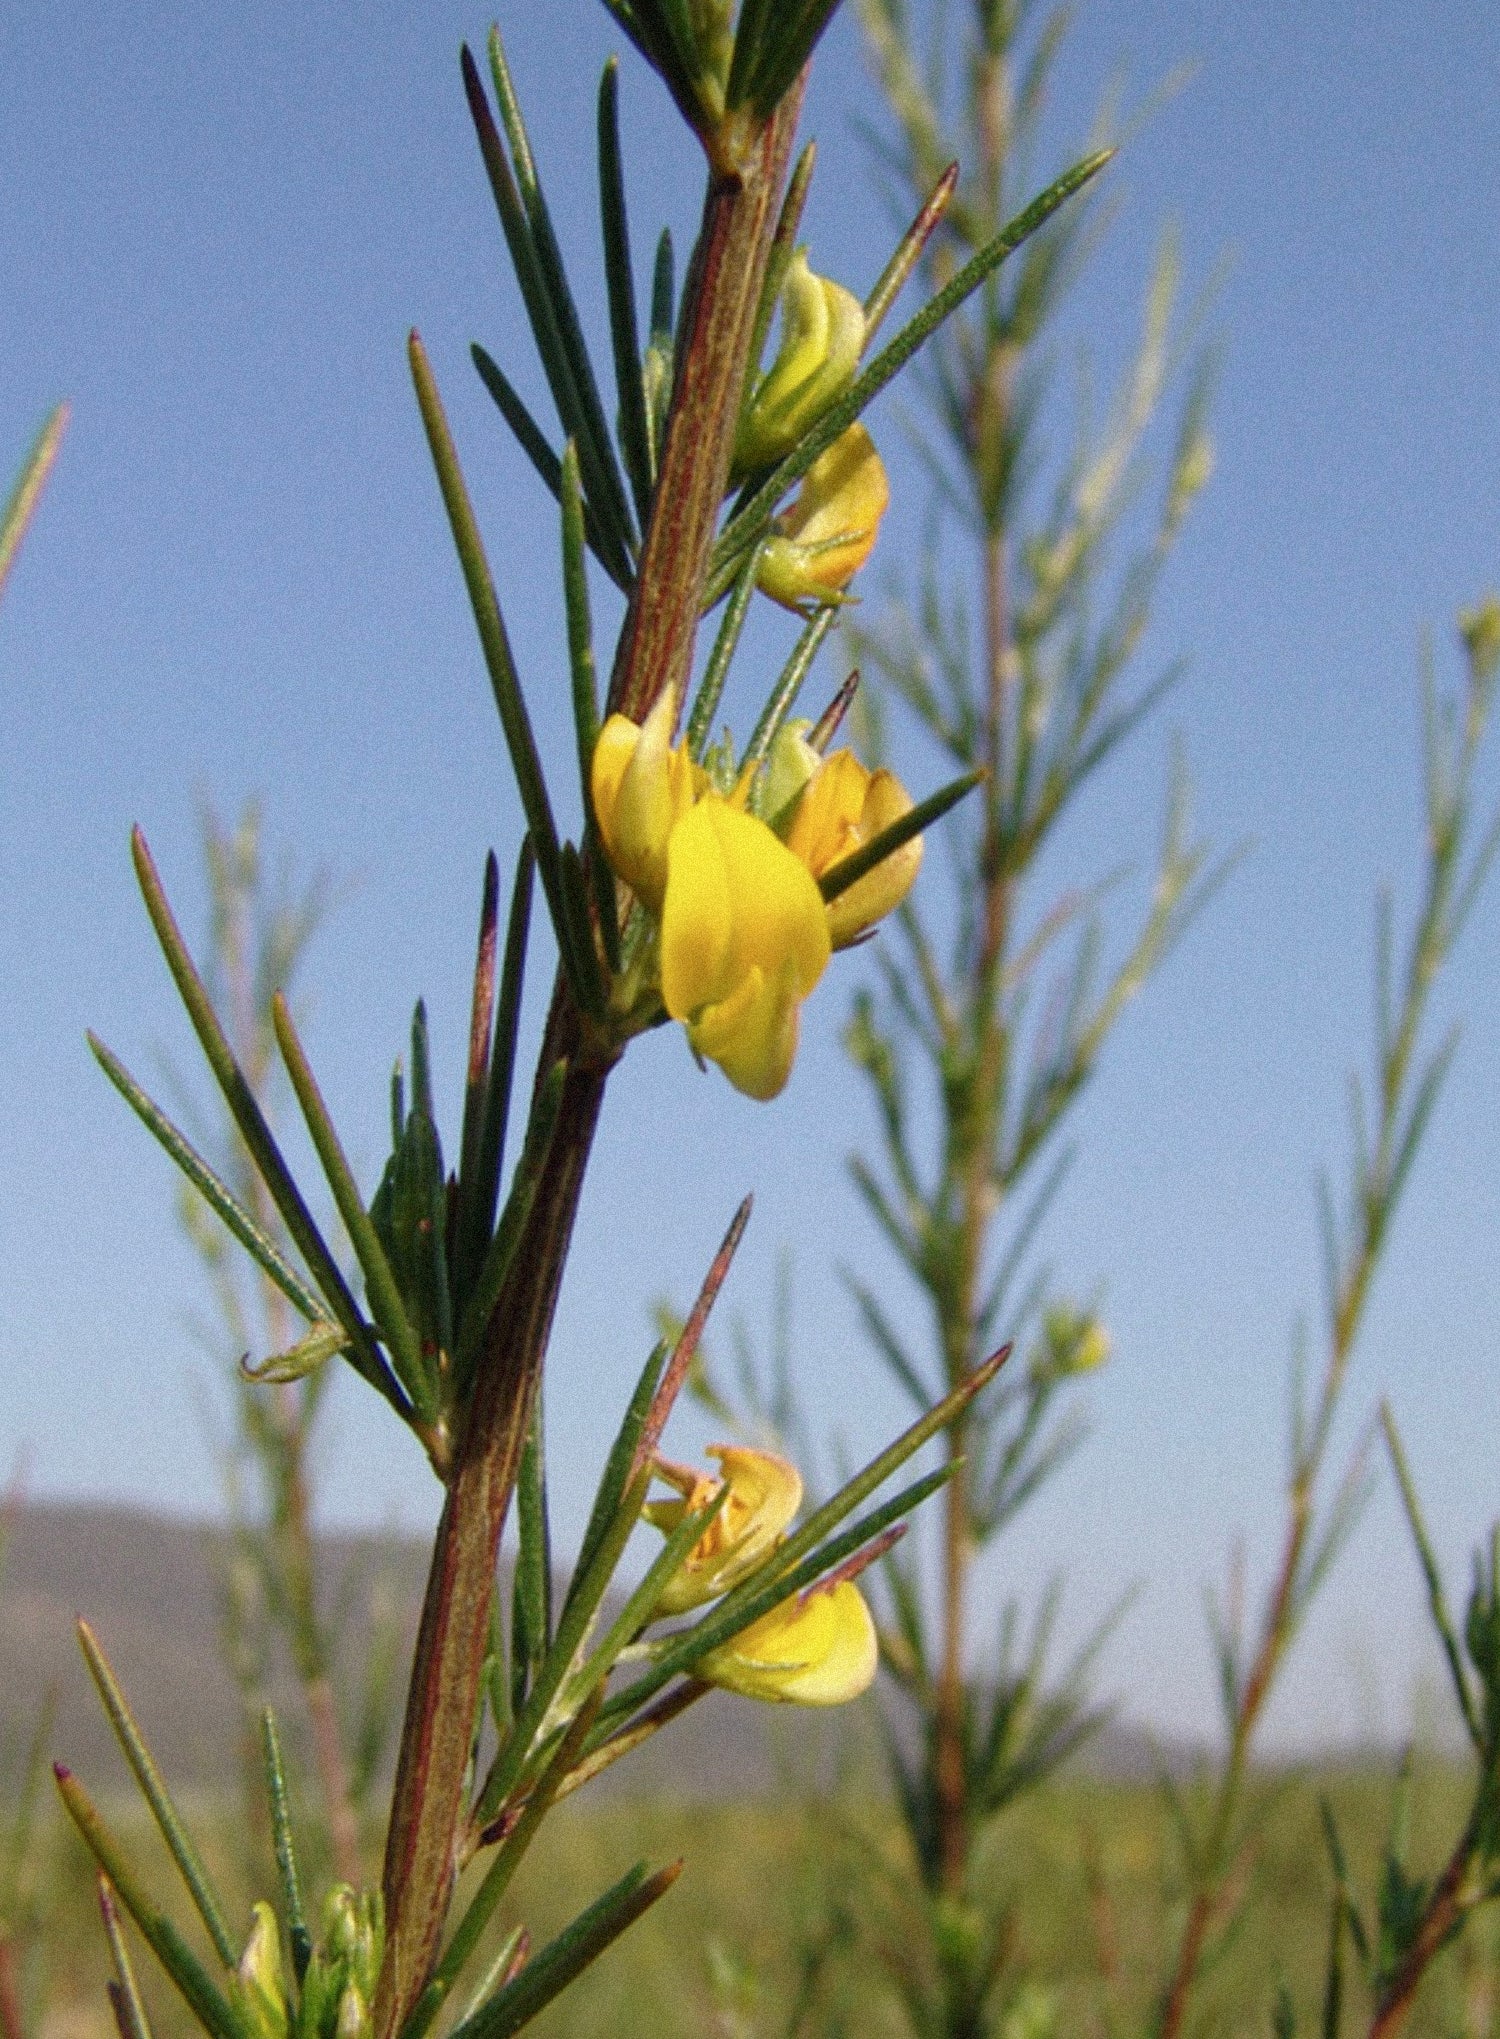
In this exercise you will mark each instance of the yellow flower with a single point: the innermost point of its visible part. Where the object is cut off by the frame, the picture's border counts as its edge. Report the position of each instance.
(765, 1492)
(744, 938)
(822, 541)
(822, 336)
(842, 807)
(816, 1649)
(642, 787)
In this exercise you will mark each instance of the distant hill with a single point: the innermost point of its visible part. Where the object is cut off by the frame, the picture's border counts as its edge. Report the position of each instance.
(149, 1586)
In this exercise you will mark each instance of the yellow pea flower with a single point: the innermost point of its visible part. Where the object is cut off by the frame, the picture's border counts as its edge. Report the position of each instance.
(641, 788)
(821, 542)
(816, 1649)
(822, 337)
(765, 1493)
(744, 938)
(843, 806)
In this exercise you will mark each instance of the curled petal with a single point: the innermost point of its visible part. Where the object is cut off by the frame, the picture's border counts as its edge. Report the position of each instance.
(820, 544)
(765, 1492)
(822, 336)
(816, 1649)
(641, 788)
(844, 806)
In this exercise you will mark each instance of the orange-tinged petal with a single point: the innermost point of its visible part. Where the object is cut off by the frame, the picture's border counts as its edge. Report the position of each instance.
(765, 1492)
(817, 1649)
(843, 807)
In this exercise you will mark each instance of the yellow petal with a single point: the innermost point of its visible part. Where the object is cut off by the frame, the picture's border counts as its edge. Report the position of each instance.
(744, 938)
(813, 1650)
(765, 1492)
(753, 1033)
(641, 788)
(880, 891)
(843, 807)
(826, 536)
(697, 915)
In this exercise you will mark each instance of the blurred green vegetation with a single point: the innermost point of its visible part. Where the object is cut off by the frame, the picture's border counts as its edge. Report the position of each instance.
(749, 1944)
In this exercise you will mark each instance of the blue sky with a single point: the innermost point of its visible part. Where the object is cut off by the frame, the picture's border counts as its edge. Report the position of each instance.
(217, 225)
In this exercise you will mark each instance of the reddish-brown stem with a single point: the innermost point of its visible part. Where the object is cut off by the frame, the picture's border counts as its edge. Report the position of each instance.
(11, 2026)
(723, 293)
(427, 1806)
(656, 650)
(1445, 1911)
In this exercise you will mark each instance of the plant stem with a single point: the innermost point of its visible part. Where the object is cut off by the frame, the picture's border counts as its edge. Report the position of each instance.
(723, 296)
(11, 2025)
(655, 651)
(973, 1131)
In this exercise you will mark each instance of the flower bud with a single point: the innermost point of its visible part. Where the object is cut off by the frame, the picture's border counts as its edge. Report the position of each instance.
(257, 1985)
(821, 542)
(843, 806)
(1073, 1342)
(353, 2020)
(822, 336)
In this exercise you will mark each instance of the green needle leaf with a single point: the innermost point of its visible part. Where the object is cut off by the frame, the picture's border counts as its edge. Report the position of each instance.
(257, 1243)
(514, 720)
(389, 1310)
(849, 870)
(161, 1936)
(21, 504)
(184, 1853)
(281, 1838)
(367, 1357)
(635, 437)
(547, 1974)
